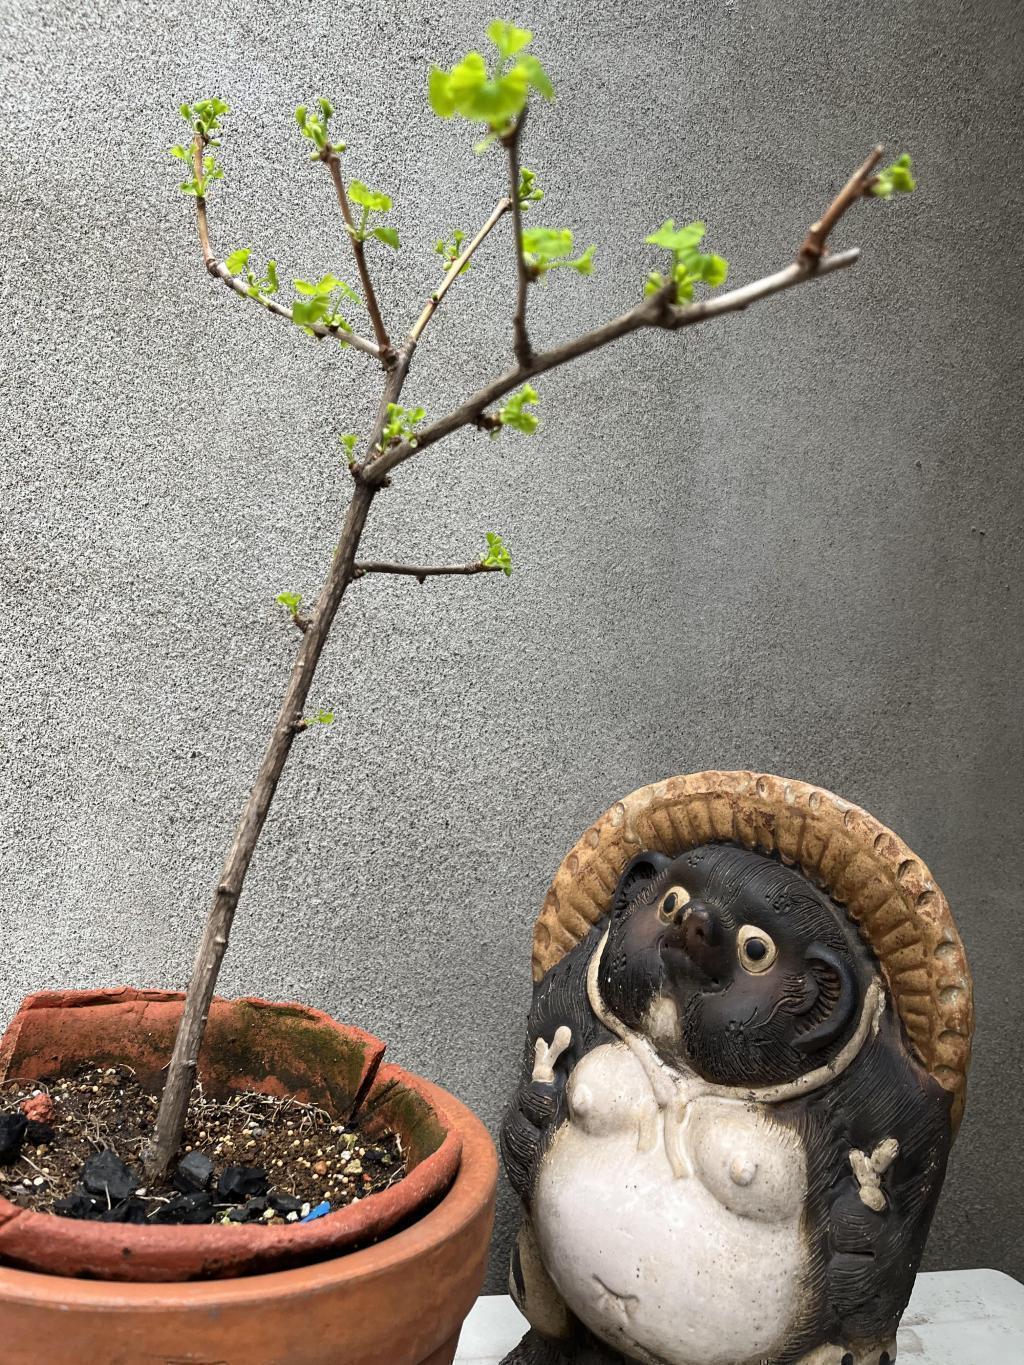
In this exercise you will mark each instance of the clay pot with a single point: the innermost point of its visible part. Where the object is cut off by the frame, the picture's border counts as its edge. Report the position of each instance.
(400, 1301)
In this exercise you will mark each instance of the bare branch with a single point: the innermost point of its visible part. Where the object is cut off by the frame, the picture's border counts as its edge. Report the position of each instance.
(654, 311)
(858, 185)
(455, 269)
(333, 163)
(424, 571)
(520, 336)
(737, 299)
(220, 272)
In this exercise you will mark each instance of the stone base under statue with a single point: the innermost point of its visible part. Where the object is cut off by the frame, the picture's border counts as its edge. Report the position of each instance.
(537, 1350)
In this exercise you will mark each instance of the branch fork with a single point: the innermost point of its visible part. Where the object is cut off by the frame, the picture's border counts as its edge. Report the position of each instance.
(219, 271)
(387, 354)
(859, 184)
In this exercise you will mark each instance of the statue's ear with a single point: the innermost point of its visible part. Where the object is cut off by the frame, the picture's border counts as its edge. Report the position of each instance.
(638, 873)
(836, 999)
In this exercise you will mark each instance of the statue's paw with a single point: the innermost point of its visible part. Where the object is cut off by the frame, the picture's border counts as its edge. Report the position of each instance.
(545, 1055)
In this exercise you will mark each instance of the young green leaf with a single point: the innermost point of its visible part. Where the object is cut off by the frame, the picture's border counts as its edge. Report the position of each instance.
(495, 96)
(529, 191)
(259, 289)
(497, 555)
(450, 249)
(205, 116)
(349, 441)
(513, 412)
(315, 128)
(387, 235)
(678, 239)
(325, 287)
(689, 265)
(507, 38)
(321, 302)
(894, 179)
(197, 185)
(321, 718)
(546, 249)
(291, 601)
(373, 200)
(400, 424)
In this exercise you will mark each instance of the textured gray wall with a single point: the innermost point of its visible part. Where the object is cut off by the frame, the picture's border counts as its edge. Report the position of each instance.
(788, 542)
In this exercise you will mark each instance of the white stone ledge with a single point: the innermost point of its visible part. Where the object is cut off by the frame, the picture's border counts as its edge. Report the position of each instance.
(955, 1317)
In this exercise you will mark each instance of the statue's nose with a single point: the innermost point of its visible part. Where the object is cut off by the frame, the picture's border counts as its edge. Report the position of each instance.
(700, 931)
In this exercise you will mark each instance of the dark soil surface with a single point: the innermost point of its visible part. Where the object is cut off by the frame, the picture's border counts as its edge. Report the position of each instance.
(252, 1158)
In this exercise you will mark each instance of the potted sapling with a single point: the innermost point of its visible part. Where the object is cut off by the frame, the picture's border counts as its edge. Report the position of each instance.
(185, 1176)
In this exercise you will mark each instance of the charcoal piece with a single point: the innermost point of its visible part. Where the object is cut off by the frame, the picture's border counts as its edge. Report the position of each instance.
(284, 1203)
(106, 1174)
(128, 1211)
(194, 1172)
(250, 1212)
(37, 1132)
(241, 1182)
(78, 1206)
(196, 1207)
(12, 1135)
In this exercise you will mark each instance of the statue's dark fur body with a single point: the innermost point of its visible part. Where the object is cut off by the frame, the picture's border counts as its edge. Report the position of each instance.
(861, 1263)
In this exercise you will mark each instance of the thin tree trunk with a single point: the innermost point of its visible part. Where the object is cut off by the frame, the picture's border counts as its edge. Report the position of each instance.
(181, 1073)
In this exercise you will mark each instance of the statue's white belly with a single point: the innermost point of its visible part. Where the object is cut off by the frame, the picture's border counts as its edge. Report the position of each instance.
(672, 1229)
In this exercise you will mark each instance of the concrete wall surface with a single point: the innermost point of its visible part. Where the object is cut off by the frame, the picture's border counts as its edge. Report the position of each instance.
(788, 541)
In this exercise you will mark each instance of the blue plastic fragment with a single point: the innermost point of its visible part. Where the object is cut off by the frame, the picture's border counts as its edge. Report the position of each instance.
(318, 1212)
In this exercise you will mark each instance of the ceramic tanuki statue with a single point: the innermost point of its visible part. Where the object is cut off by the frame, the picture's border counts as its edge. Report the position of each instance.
(745, 1065)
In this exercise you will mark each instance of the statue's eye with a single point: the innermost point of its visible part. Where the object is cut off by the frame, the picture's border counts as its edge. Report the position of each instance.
(756, 949)
(671, 903)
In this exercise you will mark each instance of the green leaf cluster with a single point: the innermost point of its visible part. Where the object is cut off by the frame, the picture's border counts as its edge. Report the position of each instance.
(513, 413)
(497, 555)
(450, 249)
(314, 126)
(497, 94)
(321, 718)
(546, 249)
(321, 302)
(689, 264)
(257, 288)
(372, 201)
(205, 116)
(529, 191)
(400, 425)
(894, 179)
(197, 185)
(291, 601)
(349, 442)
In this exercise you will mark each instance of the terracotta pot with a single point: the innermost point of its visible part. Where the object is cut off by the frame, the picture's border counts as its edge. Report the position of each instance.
(250, 1044)
(400, 1302)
